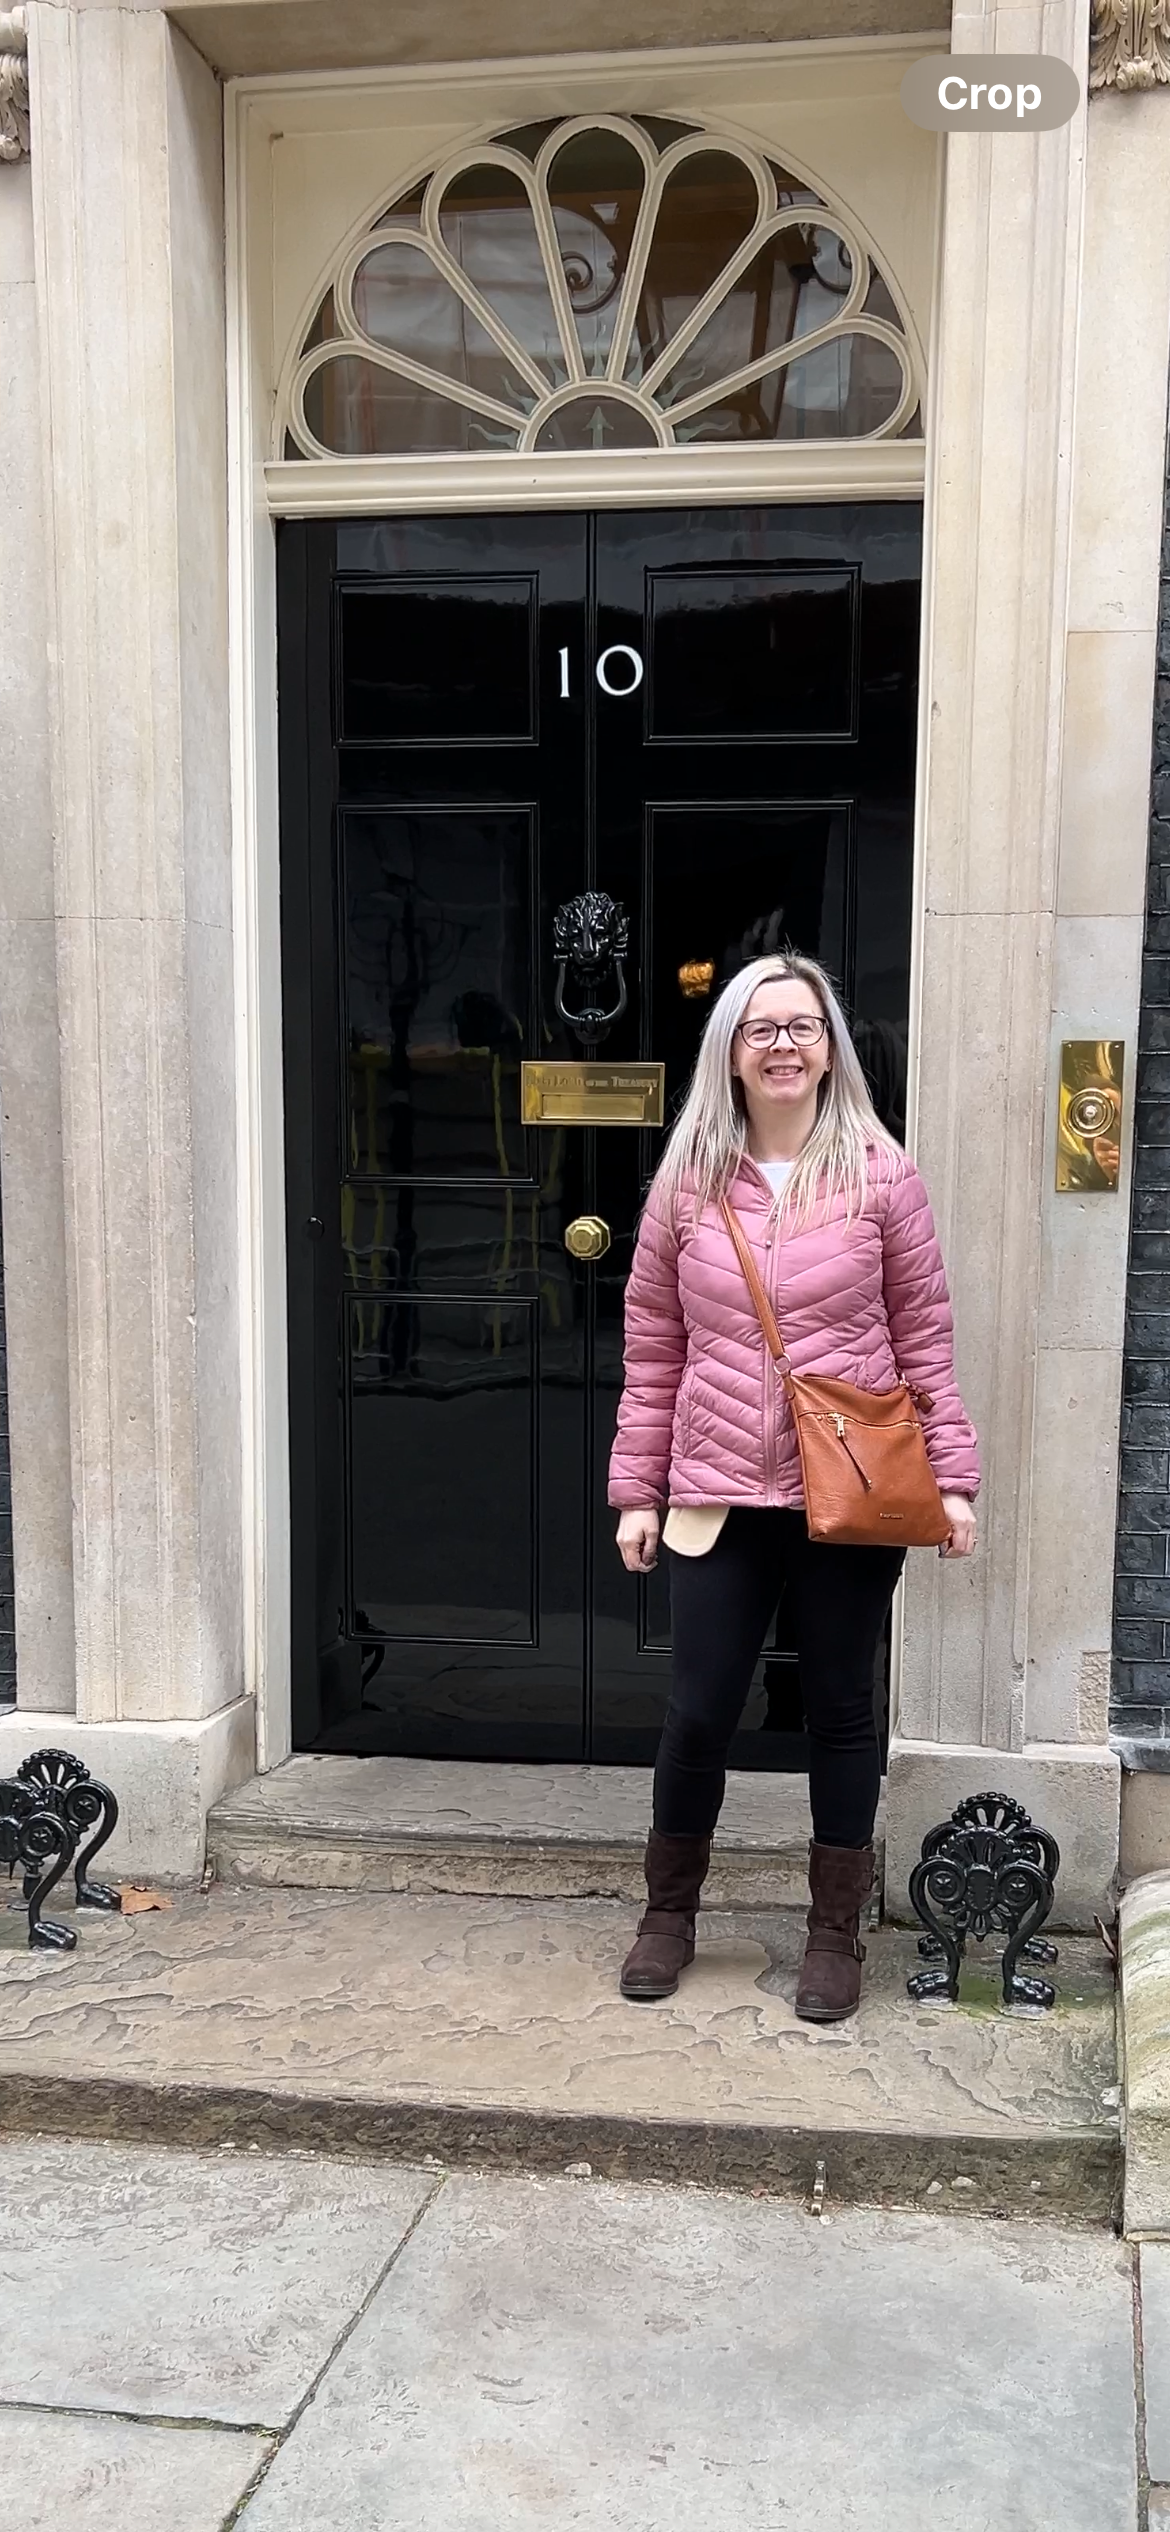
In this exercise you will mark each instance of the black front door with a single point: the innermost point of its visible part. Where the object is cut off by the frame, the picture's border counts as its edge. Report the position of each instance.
(708, 714)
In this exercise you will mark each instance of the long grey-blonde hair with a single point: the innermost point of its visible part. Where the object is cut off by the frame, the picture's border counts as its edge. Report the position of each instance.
(709, 1136)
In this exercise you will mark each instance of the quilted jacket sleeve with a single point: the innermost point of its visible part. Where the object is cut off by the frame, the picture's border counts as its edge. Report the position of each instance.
(922, 1331)
(656, 1350)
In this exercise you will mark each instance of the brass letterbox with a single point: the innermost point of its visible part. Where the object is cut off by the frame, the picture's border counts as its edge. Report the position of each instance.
(592, 1094)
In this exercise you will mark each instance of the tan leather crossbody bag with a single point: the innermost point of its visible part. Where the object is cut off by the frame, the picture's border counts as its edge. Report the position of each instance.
(867, 1479)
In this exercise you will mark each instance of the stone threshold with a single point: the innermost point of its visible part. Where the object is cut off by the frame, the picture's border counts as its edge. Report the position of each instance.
(489, 2031)
(450, 1825)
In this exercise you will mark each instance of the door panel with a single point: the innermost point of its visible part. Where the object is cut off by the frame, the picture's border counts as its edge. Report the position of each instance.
(416, 1366)
(724, 882)
(756, 653)
(438, 990)
(708, 714)
(450, 659)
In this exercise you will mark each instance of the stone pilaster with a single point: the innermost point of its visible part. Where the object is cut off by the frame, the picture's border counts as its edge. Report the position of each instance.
(128, 200)
(30, 1080)
(1002, 424)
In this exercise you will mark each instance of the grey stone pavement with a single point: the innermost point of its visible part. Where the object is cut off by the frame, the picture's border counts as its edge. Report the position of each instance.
(195, 2340)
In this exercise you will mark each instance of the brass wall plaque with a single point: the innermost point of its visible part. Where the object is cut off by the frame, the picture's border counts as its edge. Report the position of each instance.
(592, 1094)
(1088, 1142)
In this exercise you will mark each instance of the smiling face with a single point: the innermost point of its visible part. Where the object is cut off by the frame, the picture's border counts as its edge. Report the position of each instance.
(781, 1081)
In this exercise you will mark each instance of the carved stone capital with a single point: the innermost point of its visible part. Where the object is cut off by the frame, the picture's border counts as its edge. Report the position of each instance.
(1130, 44)
(13, 84)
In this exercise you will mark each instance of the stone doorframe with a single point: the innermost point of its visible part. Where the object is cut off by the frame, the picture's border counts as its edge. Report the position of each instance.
(164, 1517)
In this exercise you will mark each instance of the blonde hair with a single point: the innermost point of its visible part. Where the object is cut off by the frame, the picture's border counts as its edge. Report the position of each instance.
(709, 1136)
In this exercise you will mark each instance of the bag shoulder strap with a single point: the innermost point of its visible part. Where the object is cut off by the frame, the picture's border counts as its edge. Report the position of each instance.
(763, 1307)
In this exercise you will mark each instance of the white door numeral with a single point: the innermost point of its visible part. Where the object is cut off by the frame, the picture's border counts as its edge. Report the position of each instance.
(619, 650)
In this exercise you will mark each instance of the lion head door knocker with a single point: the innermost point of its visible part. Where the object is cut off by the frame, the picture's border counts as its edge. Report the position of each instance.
(591, 935)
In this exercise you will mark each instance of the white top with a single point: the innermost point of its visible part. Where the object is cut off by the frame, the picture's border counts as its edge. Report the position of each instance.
(776, 1172)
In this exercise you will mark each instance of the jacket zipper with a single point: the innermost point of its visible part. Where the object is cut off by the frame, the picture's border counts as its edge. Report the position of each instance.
(771, 1414)
(771, 1375)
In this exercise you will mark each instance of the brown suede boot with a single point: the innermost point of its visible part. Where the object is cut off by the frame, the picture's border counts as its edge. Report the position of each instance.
(840, 1879)
(676, 1868)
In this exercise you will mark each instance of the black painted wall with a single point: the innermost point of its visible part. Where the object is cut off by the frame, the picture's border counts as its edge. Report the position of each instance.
(1141, 1606)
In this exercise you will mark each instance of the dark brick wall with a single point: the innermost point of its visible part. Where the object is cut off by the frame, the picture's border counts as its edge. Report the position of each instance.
(7, 1611)
(1141, 1598)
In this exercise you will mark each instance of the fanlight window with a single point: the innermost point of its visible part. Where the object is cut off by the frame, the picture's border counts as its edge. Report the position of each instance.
(603, 283)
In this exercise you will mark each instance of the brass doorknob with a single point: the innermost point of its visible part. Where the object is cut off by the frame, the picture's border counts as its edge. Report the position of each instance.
(588, 1236)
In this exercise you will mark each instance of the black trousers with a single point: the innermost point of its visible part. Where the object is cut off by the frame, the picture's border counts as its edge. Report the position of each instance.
(721, 1607)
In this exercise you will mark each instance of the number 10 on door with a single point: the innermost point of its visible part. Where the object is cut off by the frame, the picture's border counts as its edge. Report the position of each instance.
(616, 651)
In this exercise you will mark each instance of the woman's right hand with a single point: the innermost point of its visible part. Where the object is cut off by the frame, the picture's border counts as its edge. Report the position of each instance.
(637, 1538)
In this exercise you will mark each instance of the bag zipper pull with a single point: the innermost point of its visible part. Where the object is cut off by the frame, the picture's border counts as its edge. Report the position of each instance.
(867, 1482)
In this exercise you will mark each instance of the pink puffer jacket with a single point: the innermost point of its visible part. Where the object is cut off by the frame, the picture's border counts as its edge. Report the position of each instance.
(703, 1415)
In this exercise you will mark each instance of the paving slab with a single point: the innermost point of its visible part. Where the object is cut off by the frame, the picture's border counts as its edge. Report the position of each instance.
(398, 1824)
(492, 2030)
(183, 2286)
(550, 2353)
(76, 2474)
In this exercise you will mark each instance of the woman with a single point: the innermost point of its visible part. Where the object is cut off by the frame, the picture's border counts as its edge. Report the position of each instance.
(779, 1118)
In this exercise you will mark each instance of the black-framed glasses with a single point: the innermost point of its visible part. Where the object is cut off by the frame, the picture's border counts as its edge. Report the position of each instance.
(762, 1034)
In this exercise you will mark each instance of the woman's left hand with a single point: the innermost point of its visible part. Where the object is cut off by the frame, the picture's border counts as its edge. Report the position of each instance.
(961, 1515)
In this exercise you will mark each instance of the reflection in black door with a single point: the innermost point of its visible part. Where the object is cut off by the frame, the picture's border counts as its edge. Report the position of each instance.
(709, 714)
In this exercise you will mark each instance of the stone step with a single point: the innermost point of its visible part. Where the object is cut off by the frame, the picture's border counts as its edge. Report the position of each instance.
(490, 2031)
(412, 1824)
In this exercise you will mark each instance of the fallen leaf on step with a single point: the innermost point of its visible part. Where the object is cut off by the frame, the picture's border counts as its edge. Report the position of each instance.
(137, 1898)
(1109, 1937)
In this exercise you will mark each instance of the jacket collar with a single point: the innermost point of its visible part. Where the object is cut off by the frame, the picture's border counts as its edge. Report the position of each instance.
(750, 1182)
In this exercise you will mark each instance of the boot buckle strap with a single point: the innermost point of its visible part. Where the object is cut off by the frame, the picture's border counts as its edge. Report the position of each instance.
(833, 1938)
(667, 1921)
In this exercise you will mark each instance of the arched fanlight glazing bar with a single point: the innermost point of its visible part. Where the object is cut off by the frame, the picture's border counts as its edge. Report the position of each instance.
(564, 235)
